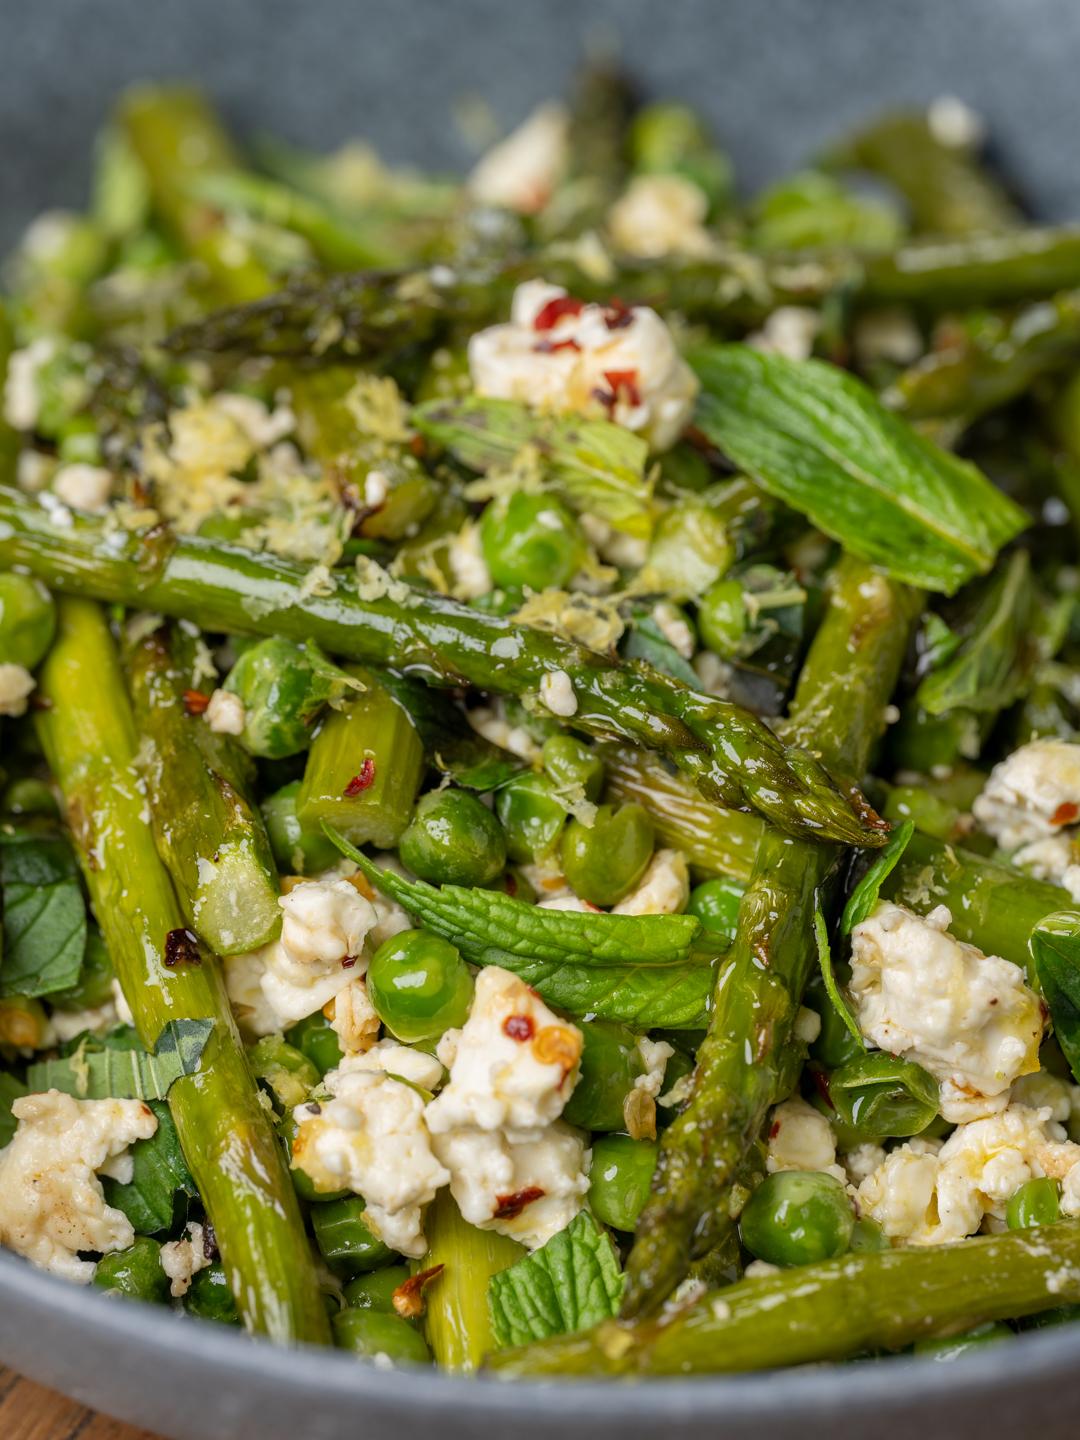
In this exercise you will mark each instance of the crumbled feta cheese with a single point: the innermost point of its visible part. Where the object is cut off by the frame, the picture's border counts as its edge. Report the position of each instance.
(495, 1127)
(655, 1055)
(664, 889)
(16, 684)
(529, 1189)
(83, 487)
(967, 1018)
(52, 1205)
(790, 331)
(520, 172)
(183, 1259)
(807, 1025)
(390, 917)
(22, 401)
(320, 953)
(801, 1139)
(225, 713)
(713, 673)
(492, 724)
(674, 627)
(264, 428)
(629, 552)
(513, 1064)
(33, 470)
(66, 1024)
(557, 693)
(1031, 795)
(567, 901)
(660, 215)
(1043, 1091)
(390, 1057)
(1057, 859)
(371, 1138)
(862, 1161)
(887, 334)
(471, 576)
(923, 1198)
(614, 363)
(353, 1019)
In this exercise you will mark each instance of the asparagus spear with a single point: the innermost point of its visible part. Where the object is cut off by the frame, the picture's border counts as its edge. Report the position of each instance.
(89, 738)
(731, 756)
(848, 676)
(880, 1300)
(458, 1323)
(211, 839)
(374, 313)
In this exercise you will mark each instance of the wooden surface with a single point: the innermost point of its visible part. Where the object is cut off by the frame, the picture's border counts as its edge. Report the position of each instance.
(27, 1412)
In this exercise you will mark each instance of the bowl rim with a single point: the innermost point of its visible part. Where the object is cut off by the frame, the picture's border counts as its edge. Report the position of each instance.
(137, 1329)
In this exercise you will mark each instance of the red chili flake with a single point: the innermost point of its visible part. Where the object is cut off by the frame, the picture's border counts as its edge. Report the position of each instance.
(361, 781)
(348, 962)
(774, 1129)
(511, 886)
(549, 315)
(1065, 813)
(518, 1027)
(196, 701)
(549, 347)
(821, 1084)
(181, 948)
(624, 381)
(417, 445)
(617, 314)
(408, 1298)
(507, 1207)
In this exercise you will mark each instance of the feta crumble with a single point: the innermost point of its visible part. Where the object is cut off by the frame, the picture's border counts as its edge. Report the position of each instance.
(660, 215)
(608, 362)
(52, 1205)
(468, 568)
(967, 1018)
(789, 331)
(183, 1259)
(557, 693)
(664, 889)
(16, 686)
(520, 172)
(1032, 795)
(799, 1138)
(83, 487)
(225, 713)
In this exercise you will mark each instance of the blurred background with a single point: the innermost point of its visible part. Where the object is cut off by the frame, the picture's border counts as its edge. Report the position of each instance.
(427, 80)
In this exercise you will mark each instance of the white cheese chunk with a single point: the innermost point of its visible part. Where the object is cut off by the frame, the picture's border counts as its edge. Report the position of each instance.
(183, 1259)
(83, 487)
(617, 364)
(22, 400)
(967, 1018)
(225, 713)
(1031, 795)
(664, 889)
(660, 215)
(16, 687)
(520, 172)
(557, 693)
(52, 1205)
(799, 1138)
(789, 331)
(468, 568)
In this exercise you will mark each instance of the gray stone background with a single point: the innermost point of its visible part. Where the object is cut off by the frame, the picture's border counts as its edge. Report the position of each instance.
(775, 76)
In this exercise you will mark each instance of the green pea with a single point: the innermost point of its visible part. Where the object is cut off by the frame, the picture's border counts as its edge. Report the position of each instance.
(531, 540)
(27, 620)
(690, 550)
(375, 1291)
(1035, 1203)
(135, 1272)
(287, 1071)
(284, 686)
(620, 1176)
(419, 985)
(602, 862)
(722, 618)
(211, 1297)
(303, 1184)
(570, 761)
(716, 904)
(867, 1235)
(316, 1038)
(797, 1217)
(610, 1063)
(298, 850)
(949, 1347)
(370, 1332)
(532, 816)
(95, 983)
(346, 1242)
(453, 839)
(27, 796)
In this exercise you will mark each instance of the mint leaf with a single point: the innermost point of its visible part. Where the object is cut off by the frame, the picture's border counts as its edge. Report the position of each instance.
(44, 914)
(596, 466)
(832, 989)
(96, 1072)
(10, 1090)
(570, 1283)
(864, 897)
(161, 1186)
(822, 442)
(1055, 954)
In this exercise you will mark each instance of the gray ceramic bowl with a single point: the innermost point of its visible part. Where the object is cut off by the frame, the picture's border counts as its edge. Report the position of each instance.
(776, 77)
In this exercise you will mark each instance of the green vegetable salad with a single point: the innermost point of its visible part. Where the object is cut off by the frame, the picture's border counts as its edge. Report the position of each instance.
(540, 745)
